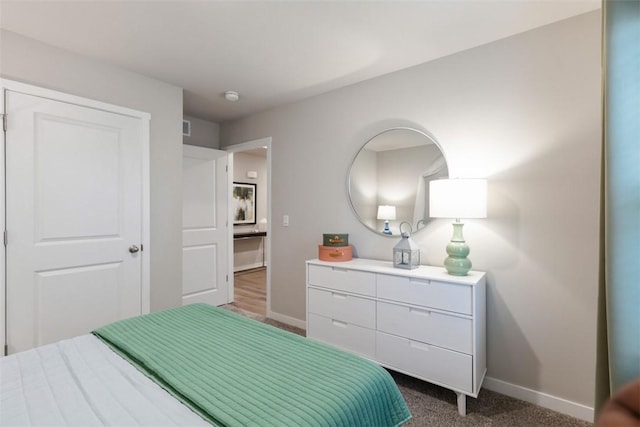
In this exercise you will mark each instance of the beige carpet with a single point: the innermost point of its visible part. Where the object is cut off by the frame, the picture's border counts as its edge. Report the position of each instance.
(435, 406)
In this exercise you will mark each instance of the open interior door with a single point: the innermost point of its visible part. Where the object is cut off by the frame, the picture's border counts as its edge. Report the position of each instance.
(204, 226)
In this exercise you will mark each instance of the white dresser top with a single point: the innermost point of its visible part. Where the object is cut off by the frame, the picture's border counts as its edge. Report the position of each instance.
(386, 267)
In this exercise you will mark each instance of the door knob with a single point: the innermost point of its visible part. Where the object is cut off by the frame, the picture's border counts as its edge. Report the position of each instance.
(133, 249)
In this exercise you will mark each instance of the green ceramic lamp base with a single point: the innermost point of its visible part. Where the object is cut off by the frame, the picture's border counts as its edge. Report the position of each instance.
(457, 263)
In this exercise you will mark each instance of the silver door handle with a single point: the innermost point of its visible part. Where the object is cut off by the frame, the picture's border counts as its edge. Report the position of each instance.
(133, 249)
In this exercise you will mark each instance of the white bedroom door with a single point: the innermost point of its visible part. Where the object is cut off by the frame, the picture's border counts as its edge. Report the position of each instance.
(73, 219)
(204, 222)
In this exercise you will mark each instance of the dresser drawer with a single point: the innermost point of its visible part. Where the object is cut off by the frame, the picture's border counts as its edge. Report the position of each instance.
(431, 293)
(343, 279)
(353, 338)
(343, 307)
(431, 327)
(428, 362)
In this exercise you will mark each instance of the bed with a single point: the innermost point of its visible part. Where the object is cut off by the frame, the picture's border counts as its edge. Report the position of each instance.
(195, 365)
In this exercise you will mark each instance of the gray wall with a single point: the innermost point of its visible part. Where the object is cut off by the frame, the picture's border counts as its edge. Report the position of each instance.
(523, 112)
(32, 62)
(203, 133)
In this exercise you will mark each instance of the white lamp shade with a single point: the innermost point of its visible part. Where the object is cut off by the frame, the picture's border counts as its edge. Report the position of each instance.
(458, 198)
(387, 212)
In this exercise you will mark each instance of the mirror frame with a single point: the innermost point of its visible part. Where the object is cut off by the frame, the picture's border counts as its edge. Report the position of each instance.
(353, 209)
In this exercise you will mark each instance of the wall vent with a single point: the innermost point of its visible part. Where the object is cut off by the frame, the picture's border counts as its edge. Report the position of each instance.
(186, 128)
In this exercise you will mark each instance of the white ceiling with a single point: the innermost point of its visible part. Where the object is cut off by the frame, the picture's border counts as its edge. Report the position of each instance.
(273, 52)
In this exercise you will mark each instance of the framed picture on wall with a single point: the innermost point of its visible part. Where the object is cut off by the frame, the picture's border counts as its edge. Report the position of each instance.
(244, 203)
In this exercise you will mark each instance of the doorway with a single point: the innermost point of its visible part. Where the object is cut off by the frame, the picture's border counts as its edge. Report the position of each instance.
(249, 213)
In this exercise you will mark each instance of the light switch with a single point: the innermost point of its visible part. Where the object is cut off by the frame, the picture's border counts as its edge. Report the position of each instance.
(285, 220)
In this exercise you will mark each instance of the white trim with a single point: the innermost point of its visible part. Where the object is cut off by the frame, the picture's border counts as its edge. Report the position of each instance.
(250, 145)
(71, 99)
(230, 266)
(3, 289)
(287, 319)
(26, 89)
(245, 267)
(145, 285)
(544, 400)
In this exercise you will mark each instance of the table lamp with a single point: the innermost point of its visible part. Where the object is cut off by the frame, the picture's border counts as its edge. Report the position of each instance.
(458, 198)
(387, 213)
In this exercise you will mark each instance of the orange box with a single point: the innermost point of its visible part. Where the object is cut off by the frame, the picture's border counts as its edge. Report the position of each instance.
(335, 253)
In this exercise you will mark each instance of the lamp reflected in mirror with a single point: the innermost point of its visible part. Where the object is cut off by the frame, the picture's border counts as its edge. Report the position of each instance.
(386, 213)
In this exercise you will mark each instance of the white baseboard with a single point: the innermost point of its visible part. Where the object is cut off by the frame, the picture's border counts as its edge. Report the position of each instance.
(287, 319)
(238, 268)
(554, 403)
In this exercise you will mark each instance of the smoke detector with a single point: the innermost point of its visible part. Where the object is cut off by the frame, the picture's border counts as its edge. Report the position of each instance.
(231, 95)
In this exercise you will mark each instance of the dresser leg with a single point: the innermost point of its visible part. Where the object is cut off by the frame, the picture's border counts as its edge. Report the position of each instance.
(462, 403)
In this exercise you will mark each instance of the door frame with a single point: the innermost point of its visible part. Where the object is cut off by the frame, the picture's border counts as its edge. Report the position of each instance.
(14, 86)
(249, 145)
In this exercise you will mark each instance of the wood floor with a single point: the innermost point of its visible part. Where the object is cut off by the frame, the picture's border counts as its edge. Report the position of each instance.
(250, 290)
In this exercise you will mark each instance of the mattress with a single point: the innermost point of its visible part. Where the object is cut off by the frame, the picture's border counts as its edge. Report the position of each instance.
(82, 382)
(193, 366)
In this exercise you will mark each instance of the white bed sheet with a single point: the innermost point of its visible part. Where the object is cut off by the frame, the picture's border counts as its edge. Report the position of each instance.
(82, 382)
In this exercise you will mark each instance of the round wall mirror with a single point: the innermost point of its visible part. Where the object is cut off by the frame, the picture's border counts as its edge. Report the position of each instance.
(388, 181)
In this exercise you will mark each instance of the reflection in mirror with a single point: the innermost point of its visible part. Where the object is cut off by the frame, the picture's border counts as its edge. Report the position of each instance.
(393, 169)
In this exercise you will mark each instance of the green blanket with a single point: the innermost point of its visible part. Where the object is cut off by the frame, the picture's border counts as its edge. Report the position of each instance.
(235, 371)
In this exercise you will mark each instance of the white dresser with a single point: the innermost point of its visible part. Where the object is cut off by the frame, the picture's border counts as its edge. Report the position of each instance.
(422, 322)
